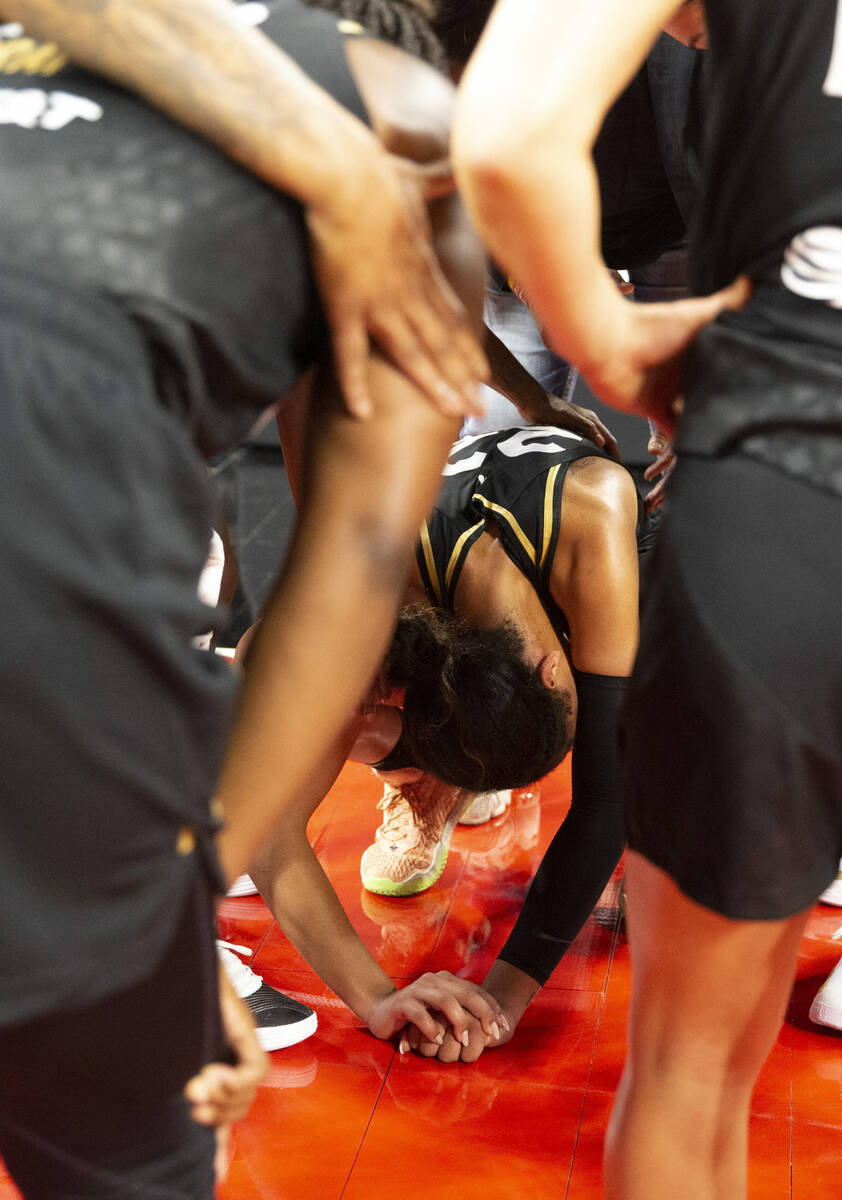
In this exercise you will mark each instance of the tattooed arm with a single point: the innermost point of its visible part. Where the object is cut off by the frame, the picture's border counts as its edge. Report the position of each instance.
(378, 276)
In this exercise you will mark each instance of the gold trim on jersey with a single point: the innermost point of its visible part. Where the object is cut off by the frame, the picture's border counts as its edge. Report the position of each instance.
(430, 561)
(457, 550)
(549, 511)
(512, 522)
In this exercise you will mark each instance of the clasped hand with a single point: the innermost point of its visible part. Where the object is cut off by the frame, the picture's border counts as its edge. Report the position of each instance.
(438, 1013)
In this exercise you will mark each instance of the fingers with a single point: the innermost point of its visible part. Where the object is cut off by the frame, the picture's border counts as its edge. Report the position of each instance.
(430, 355)
(665, 462)
(216, 1095)
(735, 296)
(461, 999)
(603, 435)
(655, 497)
(470, 1046)
(350, 353)
(416, 1012)
(702, 310)
(663, 467)
(252, 1062)
(436, 1003)
(221, 1094)
(442, 1000)
(480, 1003)
(450, 340)
(222, 1157)
(458, 1001)
(466, 1048)
(439, 354)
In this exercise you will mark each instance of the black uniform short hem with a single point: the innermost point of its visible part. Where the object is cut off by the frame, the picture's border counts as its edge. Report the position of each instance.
(733, 727)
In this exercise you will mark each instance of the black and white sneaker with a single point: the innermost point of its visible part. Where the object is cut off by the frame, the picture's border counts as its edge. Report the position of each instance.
(280, 1020)
(243, 885)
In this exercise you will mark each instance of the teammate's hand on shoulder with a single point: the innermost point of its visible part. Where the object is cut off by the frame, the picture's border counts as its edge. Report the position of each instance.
(380, 282)
(584, 421)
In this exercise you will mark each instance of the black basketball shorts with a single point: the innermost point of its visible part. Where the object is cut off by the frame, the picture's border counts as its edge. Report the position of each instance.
(733, 726)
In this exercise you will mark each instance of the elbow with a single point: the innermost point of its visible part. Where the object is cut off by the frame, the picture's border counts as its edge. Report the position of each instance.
(487, 162)
(501, 163)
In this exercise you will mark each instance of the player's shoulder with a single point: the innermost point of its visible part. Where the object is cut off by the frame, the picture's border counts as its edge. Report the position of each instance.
(595, 485)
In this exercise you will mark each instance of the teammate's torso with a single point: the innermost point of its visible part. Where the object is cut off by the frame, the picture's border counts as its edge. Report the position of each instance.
(768, 380)
(774, 140)
(513, 478)
(104, 192)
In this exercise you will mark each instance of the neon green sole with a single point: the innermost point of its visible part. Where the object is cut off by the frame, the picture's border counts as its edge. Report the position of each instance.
(383, 886)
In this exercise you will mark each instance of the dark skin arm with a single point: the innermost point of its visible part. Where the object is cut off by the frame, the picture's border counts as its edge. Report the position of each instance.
(511, 379)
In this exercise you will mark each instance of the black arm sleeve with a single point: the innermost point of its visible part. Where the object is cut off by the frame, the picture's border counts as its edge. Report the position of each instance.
(588, 845)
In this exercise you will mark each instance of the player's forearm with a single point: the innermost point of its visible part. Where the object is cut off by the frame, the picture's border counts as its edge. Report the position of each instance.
(328, 623)
(308, 911)
(512, 988)
(195, 60)
(319, 643)
(512, 380)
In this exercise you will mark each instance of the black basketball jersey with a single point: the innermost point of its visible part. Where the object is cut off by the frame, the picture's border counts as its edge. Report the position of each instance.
(773, 142)
(768, 379)
(102, 191)
(515, 478)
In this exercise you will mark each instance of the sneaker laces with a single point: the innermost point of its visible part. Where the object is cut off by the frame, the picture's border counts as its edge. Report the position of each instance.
(243, 980)
(399, 822)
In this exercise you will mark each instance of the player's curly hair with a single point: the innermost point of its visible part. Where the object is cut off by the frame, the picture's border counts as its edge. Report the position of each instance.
(476, 713)
(435, 30)
(404, 23)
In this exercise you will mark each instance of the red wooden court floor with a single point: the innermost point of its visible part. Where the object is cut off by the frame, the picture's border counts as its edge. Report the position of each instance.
(342, 1115)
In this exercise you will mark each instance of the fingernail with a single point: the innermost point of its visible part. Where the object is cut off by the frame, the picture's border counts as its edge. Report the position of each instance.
(439, 1039)
(403, 1048)
(465, 1038)
(495, 1029)
(505, 1023)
